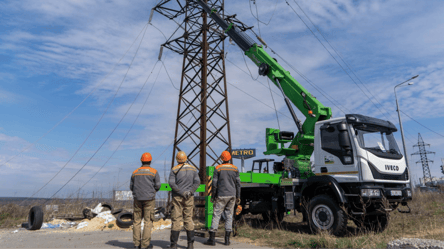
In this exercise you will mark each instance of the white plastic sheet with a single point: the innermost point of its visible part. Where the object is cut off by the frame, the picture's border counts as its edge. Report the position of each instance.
(82, 225)
(107, 216)
(97, 209)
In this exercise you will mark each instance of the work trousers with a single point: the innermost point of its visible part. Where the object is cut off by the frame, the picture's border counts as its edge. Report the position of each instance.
(223, 204)
(145, 210)
(182, 210)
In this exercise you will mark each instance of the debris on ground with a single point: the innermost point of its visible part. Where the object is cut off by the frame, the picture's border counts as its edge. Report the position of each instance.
(82, 225)
(97, 209)
(407, 243)
(107, 216)
(16, 231)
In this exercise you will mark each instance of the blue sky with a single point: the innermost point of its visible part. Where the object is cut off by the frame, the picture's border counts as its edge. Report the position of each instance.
(54, 53)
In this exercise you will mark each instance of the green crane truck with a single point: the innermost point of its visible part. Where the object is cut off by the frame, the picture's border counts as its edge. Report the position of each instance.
(358, 172)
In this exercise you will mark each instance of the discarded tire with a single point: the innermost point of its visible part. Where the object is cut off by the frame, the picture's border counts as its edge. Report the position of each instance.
(124, 220)
(25, 224)
(106, 205)
(114, 212)
(35, 218)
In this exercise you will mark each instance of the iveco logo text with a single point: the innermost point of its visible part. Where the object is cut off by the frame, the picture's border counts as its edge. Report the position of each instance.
(392, 167)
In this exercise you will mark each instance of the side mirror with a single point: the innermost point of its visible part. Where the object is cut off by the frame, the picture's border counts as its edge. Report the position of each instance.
(343, 136)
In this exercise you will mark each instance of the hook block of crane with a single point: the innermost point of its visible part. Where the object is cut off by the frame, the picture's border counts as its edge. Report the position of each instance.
(202, 124)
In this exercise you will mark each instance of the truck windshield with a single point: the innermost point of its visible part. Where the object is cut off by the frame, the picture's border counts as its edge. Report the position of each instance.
(380, 143)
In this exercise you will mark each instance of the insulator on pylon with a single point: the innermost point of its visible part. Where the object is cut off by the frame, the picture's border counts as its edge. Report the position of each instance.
(262, 41)
(160, 52)
(151, 16)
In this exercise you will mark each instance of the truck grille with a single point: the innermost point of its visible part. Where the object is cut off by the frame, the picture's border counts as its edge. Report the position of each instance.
(380, 176)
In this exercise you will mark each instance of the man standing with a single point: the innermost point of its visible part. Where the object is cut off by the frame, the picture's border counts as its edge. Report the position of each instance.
(184, 181)
(226, 192)
(145, 182)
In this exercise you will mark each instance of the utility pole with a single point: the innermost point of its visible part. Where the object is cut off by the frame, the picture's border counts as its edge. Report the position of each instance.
(402, 130)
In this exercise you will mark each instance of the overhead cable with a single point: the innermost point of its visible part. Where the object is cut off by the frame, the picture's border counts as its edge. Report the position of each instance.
(257, 17)
(132, 125)
(89, 94)
(423, 125)
(342, 59)
(100, 119)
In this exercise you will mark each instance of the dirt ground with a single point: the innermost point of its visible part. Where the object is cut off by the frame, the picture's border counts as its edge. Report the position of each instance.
(45, 238)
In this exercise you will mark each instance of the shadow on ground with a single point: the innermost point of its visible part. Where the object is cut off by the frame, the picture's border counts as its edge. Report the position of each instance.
(159, 243)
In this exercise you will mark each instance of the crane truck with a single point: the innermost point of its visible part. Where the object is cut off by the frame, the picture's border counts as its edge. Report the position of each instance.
(358, 172)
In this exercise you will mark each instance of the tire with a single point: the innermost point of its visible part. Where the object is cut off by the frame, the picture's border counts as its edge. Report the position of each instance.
(124, 215)
(106, 205)
(325, 214)
(374, 223)
(35, 218)
(114, 212)
(25, 225)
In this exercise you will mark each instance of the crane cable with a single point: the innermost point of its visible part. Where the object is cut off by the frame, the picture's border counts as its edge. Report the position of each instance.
(75, 108)
(100, 119)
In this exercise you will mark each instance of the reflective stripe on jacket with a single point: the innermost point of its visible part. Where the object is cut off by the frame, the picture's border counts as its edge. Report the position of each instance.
(184, 177)
(226, 180)
(145, 182)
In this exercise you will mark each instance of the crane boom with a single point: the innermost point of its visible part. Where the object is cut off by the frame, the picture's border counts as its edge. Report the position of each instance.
(301, 146)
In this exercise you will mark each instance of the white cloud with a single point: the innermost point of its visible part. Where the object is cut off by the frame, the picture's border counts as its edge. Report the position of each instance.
(385, 42)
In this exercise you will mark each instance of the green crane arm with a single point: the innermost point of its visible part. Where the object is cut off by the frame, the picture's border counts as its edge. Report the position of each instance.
(301, 146)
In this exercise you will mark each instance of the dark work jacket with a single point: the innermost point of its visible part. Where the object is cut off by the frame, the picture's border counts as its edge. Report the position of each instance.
(226, 180)
(184, 177)
(145, 182)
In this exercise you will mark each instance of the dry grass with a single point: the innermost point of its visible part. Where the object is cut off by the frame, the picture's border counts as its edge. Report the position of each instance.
(425, 221)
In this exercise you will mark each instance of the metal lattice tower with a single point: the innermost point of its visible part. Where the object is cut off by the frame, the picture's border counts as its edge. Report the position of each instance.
(202, 111)
(424, 161)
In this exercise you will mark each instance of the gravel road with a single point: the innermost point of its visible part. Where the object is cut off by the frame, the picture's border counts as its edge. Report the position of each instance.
(412, 243)
(46, 238)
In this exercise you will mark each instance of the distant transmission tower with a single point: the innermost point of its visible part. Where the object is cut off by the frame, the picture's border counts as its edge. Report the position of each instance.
(424, 161)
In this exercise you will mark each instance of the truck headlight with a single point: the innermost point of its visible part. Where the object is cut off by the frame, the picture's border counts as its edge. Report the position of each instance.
(370, 192)
(409, 193)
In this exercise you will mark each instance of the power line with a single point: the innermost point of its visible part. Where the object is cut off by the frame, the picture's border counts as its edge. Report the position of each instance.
(257, 18)
(100, 119)
(90, 93)
(132, 125)
(334, 58)
(422, 125)
(342, 59)
(117, 125)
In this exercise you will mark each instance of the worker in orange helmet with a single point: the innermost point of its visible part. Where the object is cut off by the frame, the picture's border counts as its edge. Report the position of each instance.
(184, 181)
(225, 193)
(145, 182)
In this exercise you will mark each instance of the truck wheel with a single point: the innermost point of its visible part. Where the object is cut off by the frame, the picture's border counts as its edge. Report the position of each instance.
(325, 214)
(375, 223)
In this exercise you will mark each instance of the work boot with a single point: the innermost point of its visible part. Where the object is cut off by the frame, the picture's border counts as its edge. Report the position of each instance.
(212, 240)
(190, 237)
(227, 238)
(174, 238)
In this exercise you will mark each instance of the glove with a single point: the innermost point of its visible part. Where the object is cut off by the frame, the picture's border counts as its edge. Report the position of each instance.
(238, 201)
(213, 198)
(187, 194)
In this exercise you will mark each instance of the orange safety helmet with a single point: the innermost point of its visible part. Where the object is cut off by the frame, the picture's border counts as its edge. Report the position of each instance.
(226, 156)
(238, 209)
(181, 157)
(146, 157)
